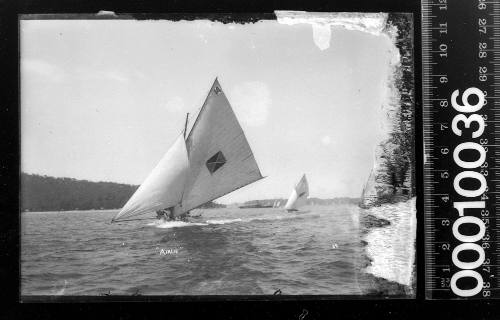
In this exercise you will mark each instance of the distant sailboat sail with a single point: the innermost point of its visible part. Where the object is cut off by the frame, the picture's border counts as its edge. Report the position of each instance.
(212, 161)
(299, 195)
(369, 193)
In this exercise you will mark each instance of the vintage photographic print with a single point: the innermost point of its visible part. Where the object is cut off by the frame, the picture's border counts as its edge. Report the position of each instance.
(211, 156)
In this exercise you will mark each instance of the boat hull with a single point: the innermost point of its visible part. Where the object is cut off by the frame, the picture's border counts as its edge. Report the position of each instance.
(254, 207)
(298, 211)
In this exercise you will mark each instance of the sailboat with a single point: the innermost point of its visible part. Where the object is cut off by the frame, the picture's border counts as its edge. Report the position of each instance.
(369, 193)
(213, 160)
(299, 195)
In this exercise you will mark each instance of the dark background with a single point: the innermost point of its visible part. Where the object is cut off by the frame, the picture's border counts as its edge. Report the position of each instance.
(274, 307)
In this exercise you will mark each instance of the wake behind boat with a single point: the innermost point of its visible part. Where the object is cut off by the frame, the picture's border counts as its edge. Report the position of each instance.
(299, 195)
(212, 161)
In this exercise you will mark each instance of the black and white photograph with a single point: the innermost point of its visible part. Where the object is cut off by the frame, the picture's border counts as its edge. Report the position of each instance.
(206, 156)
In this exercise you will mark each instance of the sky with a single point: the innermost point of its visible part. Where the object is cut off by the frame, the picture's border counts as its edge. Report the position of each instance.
(103, 100)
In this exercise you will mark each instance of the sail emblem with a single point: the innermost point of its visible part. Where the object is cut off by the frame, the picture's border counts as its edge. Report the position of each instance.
(215, 162)
(217, 90)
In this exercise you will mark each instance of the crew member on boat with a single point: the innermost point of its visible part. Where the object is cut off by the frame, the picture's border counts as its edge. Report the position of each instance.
(167, 214)
(164, 214)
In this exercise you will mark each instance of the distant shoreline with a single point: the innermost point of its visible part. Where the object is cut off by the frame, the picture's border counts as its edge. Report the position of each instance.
(228, 206)
(67, 211)
(50, 194)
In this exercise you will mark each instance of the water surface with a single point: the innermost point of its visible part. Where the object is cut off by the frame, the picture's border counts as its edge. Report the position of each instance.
(228, 251)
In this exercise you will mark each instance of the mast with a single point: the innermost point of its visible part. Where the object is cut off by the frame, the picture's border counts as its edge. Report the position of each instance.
(186, 124)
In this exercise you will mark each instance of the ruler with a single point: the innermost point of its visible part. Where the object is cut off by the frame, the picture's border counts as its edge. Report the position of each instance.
(461, 133)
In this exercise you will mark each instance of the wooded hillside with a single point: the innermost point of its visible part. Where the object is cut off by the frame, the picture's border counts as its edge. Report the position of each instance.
(45, 193)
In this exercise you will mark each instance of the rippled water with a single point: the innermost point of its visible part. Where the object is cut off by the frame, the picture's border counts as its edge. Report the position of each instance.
(225, 251)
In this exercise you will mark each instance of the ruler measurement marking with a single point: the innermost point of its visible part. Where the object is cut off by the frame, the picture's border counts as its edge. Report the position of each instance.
(437, 136)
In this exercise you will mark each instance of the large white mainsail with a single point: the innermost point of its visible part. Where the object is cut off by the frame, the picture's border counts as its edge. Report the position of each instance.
(212, 161)
(299, 195)
(220, 158)
(163, 187)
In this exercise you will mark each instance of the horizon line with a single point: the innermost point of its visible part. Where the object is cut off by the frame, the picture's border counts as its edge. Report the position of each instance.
(137, 185)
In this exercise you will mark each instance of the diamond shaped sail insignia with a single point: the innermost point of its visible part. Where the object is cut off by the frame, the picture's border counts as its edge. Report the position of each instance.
(215, 162)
